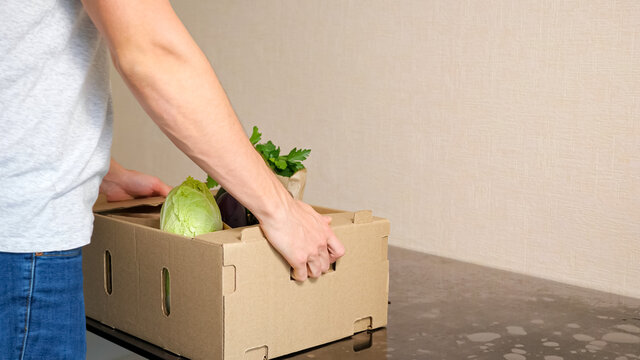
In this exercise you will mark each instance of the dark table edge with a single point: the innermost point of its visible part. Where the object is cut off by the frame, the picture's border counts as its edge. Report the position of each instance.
(361, 341)
(130, 342)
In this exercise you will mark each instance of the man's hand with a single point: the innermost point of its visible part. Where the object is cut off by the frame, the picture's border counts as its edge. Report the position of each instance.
(304, 239)
(177, 87)
(122, 184)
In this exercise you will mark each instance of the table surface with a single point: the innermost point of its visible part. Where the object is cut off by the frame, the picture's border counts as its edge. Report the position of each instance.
(446, 309)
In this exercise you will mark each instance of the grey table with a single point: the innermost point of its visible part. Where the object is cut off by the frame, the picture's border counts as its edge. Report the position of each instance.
(446, 309)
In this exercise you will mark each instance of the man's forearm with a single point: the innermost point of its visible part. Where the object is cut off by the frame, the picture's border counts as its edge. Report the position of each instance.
(174, 82)
(201, 123)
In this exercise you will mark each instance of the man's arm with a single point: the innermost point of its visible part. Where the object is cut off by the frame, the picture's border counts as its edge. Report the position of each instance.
(123, 184)
(177, 87)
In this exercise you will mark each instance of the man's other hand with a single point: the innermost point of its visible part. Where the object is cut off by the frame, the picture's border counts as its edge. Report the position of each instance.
(122, 184)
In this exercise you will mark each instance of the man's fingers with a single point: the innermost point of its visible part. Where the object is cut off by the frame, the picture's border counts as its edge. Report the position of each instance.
(161, 188)
(335, 248)
(325, 260)
(300, 273)
(314, 268)
(312, 271)
(114, 192)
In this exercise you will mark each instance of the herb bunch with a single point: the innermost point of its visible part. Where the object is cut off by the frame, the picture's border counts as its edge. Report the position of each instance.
(283, 165)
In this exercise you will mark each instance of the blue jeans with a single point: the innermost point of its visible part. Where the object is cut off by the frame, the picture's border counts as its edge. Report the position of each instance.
(42, 306)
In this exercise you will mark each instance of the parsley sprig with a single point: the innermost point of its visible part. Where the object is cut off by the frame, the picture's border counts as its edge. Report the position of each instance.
(283, 165)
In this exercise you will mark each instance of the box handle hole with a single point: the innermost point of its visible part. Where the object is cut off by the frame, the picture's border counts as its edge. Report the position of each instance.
(258, 353)
(332, 268)
(362, 340)
(108, 285)
(166, 292)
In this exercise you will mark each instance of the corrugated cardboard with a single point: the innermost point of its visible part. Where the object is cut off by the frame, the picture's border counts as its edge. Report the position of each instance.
(231, 294)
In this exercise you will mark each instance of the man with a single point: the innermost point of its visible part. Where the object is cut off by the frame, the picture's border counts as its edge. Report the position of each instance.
(55, 135)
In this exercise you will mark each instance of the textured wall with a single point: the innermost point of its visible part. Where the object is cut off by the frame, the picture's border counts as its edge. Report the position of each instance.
(505, 133)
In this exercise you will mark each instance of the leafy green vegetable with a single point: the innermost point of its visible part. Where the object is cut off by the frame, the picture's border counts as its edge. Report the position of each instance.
(211, 183)
(255, 136)
(190, 210)
(283, 165)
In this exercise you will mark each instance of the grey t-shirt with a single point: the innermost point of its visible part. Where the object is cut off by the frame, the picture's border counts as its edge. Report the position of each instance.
(55, 124)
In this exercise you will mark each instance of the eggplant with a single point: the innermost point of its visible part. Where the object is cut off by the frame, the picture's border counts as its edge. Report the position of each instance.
(233, 213)
(219, 193)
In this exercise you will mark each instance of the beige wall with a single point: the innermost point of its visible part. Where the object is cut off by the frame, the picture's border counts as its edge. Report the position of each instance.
(505, 133)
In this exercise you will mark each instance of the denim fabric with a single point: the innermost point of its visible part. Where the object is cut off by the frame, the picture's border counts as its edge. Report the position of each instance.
(42, 306)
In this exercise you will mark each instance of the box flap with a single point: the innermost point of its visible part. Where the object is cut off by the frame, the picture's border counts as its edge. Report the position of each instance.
(102, 205)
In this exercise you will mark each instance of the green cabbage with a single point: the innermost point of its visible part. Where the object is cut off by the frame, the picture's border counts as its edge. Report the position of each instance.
(190, 210)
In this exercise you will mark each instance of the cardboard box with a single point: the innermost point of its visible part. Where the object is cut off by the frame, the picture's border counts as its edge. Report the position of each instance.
(228, 294)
